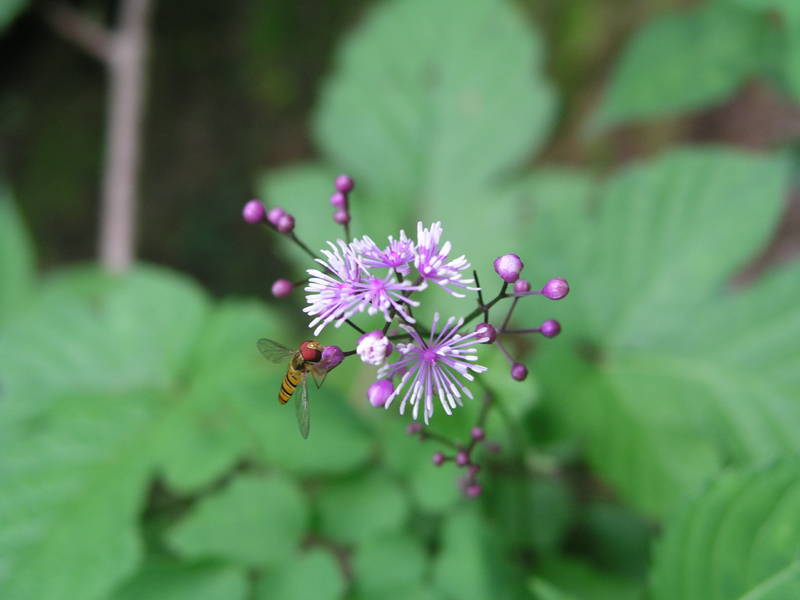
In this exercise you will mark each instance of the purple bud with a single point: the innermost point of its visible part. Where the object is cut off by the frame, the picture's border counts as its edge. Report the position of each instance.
(282, 288)
(438, 459)
(522, 286)
(473, 470)
(462, 458)
(254, 212)
(413, 428)
(379, 392)
(286, 223)
(556, 289)
(341, 216)
(486, 330)
(519, 372)
(344, 184)
(332, 357)
(274, 215)
(339, 200)
(474, 490)
(477, 434)
(508, 267)
(551, 328)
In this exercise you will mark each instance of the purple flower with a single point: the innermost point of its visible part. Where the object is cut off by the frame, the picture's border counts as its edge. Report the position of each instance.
(431, 366)
(347, 288)
(397, 255)
(430, 260)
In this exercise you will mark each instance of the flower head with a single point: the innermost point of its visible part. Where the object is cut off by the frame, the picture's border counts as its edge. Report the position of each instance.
(347, 288)
(398, 254)
(432, 366)
(430, 260)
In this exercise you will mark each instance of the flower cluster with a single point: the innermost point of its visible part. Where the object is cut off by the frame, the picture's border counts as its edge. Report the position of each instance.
(361, 276)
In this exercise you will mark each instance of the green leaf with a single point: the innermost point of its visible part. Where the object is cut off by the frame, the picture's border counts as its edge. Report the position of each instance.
(736, 539)
(207, 431)
(431, 102)
(354, 511)
(572, 579)
(86, 373)
(389, 567)
(168, 580)
(16, 256)
(106, 379)
(9, 9)
(254, 520)
(661, 370)
(685, 62)
(314, 574)
(461, 569)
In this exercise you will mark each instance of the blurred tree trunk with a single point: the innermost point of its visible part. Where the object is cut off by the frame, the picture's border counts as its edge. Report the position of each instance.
(124, 51)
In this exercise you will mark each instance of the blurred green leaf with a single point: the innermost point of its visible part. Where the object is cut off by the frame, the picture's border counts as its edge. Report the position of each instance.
(85, 378)
(572, 579)
(106, 379)
(389, 567)
(359, 510)
(16, 254)
(9, 9)
(167, 580)
(661, 370)
(685, 62)
(461, 570)
(736, 539)
(314, 574)
(254, 520)
(431, 102)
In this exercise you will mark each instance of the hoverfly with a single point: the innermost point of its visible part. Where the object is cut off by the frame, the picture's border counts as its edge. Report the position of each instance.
(303, 361)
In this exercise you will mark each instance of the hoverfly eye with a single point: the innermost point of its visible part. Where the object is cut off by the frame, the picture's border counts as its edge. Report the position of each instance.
(309, 353)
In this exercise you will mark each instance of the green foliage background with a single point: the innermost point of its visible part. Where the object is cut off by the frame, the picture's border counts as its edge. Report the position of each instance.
(651, 454)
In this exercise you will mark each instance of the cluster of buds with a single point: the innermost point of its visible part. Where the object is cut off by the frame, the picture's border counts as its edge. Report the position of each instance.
(360, 276)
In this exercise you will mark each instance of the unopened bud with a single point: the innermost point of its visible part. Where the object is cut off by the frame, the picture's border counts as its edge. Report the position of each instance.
(462, 458)
(378, 393)
(477, 433)
(474, 490)
(556, 289)
(341, 216)
(508, 267)
(413, 428)
(519, 372)
(438, 459)
(286, 223)
(282, 288)
(339, 200)
(522, 286)
(254, 212)
(374, 347)
(551, 328)
(274, 215)
(332, 357)
(344, 184)
(487, 331)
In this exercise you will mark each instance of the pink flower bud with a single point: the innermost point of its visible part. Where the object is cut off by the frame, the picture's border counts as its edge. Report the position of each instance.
(282, 288)
(274, 215)
(508, 267)
(379, 392)
(286, 223)
(254, 212)
(555, 289)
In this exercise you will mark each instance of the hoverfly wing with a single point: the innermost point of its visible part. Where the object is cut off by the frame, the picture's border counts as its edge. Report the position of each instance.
(273, 351)
(319, 374)
(301, 407)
